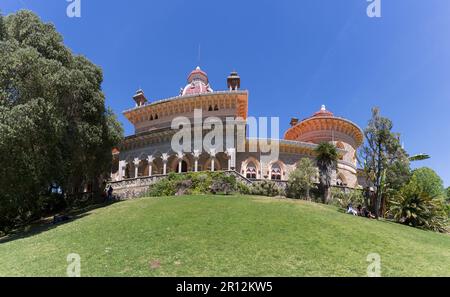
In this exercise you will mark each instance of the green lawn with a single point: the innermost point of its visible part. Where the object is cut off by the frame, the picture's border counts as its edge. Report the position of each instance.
(225, 236)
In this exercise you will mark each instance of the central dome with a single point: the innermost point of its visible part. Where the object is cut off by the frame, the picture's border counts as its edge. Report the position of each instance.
(198, 83)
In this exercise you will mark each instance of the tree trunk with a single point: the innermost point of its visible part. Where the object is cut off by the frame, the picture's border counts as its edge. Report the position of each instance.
(378, 183)
(326, 195)
(379, 199)
(307, 195)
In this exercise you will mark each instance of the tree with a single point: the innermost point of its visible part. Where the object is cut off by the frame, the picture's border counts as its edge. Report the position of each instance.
(428, 181)
(386, 163)
(326, 155)
(397, 175)
(2, 27)
(301, 180)
(447, 191)
(55, 131)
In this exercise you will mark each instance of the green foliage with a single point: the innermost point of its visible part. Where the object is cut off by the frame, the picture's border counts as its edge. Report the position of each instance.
(225, 184)
(210, 183)
(54, 126)
(386, 163)
(397, 175)
(428, 181)
(243, 188)
(342, 198)
(195, 183)
(447, 191)
(327, 156)
(414, 207)
(2, 28)
(266, 188)
(163, 187)
(301, 180)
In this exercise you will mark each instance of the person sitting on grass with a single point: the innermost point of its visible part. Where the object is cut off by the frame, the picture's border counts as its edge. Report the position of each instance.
(359, 210)
(367, 213)
(351, 210)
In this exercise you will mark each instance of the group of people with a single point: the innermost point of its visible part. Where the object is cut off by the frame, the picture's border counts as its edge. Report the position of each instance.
(360, 211)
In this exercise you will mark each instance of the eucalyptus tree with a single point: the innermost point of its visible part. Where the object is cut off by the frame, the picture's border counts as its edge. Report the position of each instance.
(385, 162)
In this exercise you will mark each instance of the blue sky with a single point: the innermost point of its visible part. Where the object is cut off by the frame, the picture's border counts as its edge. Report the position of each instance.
(292, 56)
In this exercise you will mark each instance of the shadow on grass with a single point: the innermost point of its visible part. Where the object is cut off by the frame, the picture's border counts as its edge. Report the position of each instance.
(47, 224)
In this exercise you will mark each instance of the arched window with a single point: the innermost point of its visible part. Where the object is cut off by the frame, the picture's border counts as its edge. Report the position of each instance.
(156, 116)
(208, 165)
(341, 146)
(251, 171)
(210, 108)
(216, 107)
(341, 181)
(127, 171)
(275, 173)
(151, 118)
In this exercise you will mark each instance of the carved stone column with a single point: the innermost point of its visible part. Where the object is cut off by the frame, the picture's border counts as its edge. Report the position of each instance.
(212, 153)
(180, 157)
(165, 158)
(231, 153)
(122, 166)
(136, 162)
(196, 157)
(150, 160)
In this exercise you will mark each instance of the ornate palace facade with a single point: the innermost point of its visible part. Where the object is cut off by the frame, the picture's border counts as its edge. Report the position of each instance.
(148, 153)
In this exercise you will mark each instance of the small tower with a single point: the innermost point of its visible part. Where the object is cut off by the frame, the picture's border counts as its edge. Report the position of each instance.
(294, 121)
(234, 81)
(140, 98)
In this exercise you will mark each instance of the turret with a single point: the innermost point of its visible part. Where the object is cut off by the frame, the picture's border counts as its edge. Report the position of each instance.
(294, 121)
(233, 81)
(140, 98)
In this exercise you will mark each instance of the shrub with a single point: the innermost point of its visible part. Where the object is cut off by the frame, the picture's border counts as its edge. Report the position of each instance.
(242, 188)
(223, 184)
(301, 180)
(266, 188)
(210, 182)
(414, 207)
(193, 183)
(342, 198)
(164, 187)
(51, 203)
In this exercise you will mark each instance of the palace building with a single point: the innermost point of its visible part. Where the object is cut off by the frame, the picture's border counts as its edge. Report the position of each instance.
(148, 153)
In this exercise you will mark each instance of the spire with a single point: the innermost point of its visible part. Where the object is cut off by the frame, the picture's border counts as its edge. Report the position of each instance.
(323, 112)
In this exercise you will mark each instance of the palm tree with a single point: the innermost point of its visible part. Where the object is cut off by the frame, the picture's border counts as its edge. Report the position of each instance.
(415, 208)
(327, 156)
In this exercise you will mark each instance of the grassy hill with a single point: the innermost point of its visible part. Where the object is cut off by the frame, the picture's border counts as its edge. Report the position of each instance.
(225, 236)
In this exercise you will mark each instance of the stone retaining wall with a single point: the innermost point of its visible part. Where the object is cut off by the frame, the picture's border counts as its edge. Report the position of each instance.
(136, 187)
(133, 187)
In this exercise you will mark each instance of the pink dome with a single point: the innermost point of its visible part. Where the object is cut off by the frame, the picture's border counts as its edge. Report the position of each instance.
(198, 83)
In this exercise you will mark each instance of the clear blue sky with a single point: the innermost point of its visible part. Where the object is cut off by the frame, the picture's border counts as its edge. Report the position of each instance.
(292, 56)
